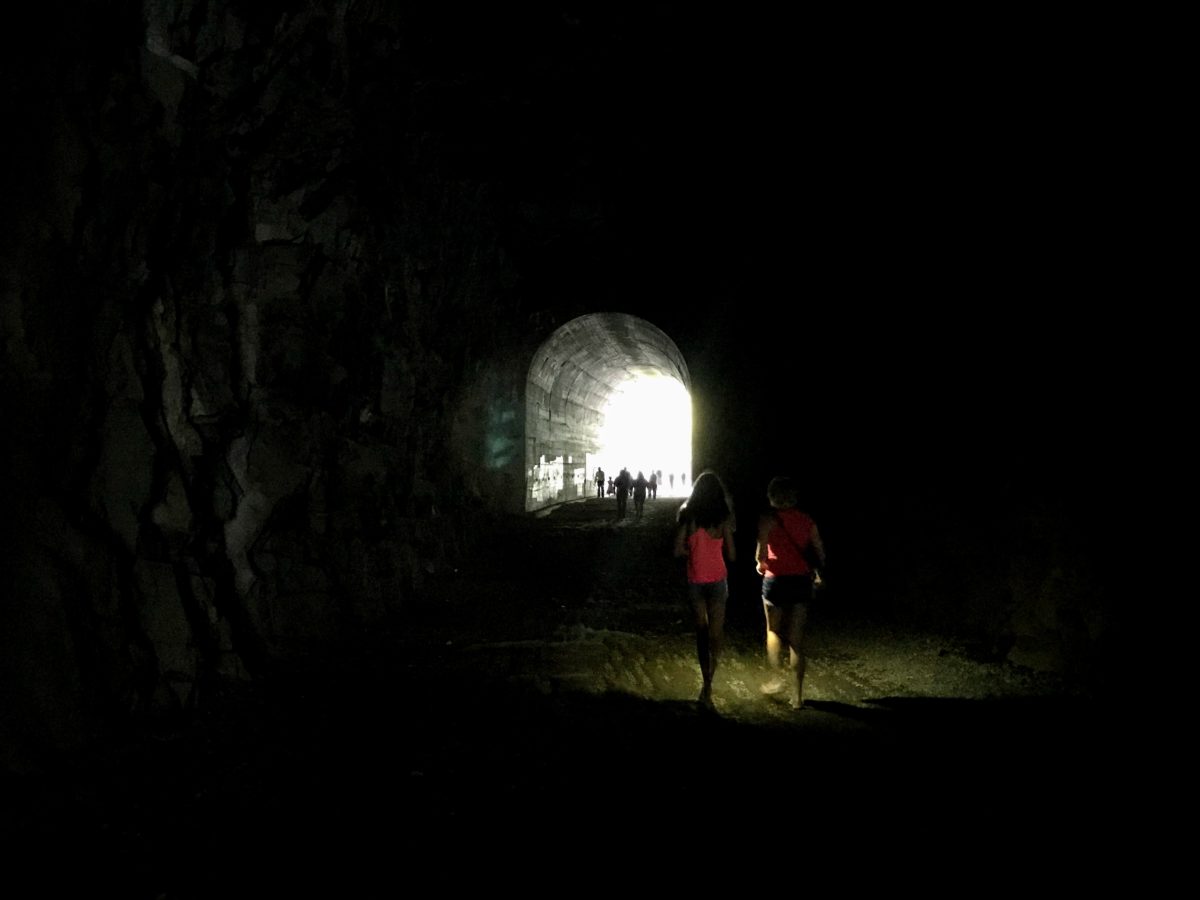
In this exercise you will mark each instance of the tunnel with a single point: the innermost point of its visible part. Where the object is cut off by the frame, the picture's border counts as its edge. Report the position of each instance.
(575, 375)
(314, 319)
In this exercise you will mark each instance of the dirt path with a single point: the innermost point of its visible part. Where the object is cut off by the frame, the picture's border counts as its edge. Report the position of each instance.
(590, 604)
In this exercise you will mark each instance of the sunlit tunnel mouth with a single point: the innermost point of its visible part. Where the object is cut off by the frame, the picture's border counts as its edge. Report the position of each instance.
(648, 428)
(604, 392)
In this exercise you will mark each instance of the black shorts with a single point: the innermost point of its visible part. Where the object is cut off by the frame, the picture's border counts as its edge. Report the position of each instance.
(787, 590)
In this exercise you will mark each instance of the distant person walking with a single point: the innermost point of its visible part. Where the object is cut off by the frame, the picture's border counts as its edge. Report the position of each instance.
(704, 537)
(624, 483)
(640, 486)
(652, 486)
(599, 483)
(788, 553)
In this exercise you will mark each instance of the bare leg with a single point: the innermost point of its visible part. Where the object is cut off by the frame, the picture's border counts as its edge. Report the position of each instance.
(703, 650)
(796, 656)
(704, 655)
(716, 634)
(710, 627)
(774, 617)
(798, 663)
(775, 623)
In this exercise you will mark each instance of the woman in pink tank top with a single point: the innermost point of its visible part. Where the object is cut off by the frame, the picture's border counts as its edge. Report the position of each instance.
(704, 537)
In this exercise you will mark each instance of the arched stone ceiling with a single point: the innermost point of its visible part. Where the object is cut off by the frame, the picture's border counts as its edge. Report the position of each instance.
(580, 366)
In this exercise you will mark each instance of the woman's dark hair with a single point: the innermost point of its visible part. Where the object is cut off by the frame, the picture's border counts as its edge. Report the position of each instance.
(709, 504)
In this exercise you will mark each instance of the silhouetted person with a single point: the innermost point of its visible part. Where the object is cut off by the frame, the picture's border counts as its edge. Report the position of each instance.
(672, 481)
(788, 553)
(639, 494)
(612, 485)
(624, 482)
(652, 486)
(704, 536)
(599, 484)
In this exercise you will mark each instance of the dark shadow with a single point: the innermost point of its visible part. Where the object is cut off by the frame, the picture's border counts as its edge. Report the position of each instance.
(1008, 719)
(864, 714)
(386, 762)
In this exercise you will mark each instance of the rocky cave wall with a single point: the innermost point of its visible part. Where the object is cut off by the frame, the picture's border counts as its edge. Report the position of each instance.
(256, 341)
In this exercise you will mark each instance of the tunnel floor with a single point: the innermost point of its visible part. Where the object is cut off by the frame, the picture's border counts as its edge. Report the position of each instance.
(537, 709)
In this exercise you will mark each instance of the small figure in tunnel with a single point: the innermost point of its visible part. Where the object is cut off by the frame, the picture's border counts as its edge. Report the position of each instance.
(652, 486)
(599, 483)
(612, 486)
(640, 484)
(624, 482)
(788, 554)
(704, 537)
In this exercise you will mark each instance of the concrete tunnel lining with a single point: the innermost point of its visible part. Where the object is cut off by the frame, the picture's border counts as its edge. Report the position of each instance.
(572, 377)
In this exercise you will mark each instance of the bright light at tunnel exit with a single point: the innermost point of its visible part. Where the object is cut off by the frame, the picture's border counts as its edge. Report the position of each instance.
(648, 427)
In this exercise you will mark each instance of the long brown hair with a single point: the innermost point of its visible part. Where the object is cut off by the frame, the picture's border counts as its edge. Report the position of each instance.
(709, 505)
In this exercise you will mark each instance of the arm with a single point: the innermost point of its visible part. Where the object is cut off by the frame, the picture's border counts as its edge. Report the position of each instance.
(760, 549)
(817, 546)
(681, 548)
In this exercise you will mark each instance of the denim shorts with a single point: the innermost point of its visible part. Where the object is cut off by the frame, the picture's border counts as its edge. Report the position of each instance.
(708, 592)
(786, 591)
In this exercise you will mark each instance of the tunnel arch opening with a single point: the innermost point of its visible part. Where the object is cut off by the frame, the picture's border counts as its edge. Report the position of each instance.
(605, 390)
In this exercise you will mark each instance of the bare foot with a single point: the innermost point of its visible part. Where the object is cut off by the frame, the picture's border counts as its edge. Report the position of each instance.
(797, 703)
(774, 686)
(705, 699)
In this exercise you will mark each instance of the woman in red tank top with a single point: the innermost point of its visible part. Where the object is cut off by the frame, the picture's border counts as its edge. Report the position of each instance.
(788, 552)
